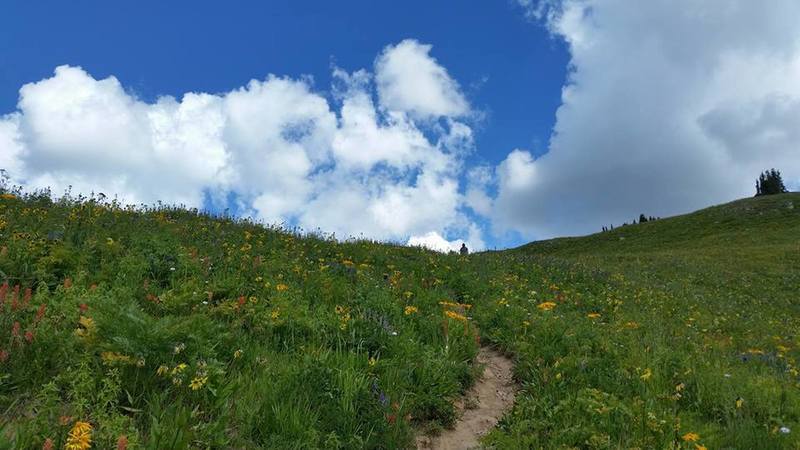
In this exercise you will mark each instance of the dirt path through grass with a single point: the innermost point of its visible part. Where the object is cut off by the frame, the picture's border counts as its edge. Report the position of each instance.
(481, 408)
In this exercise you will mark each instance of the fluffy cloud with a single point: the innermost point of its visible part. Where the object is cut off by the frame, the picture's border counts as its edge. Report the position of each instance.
(435, 241)
(410, 80)
(669, 106)
(287, 153)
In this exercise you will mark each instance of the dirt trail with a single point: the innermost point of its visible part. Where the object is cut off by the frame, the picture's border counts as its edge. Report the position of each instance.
(491, 396)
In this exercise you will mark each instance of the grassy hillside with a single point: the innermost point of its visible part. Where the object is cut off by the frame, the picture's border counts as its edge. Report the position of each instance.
(683, 325)
(166, 328)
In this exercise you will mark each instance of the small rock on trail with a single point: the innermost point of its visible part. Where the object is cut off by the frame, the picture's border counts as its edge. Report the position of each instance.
(493, 395)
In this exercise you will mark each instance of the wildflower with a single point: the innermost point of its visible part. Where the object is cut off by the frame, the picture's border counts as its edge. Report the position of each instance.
(455, 315)
(410, 310)
(593, 315)
(739, 402)
(690, 437)
(455, 305)
(281, 287)
(784, 430)
(79, 437)
(179, 368)
(162, 370)
(179, 348)
(546, 306)
(237, 354)
(198, 382)
(122, 442)
(40, 312)
(48, 444)
(647, 374)
(526, 323)
(700, 447)
(372, 361)
(3, 356)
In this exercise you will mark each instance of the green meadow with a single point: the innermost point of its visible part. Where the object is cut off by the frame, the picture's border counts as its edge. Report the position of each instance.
(168, 328)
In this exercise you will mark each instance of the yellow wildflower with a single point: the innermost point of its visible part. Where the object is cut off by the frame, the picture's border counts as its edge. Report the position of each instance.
(198, 382)
(455, 315)
(593, 315)
(275, 314)
(79, 437)
(455, 305)
(410, 310)
(237, 354)
(372, 361)
(699, 447)
(162, 370)
(281, 287)
(647, 374)
(690, 437)
(739, 402)
(8, 196)
(179, 368)
(546, 306)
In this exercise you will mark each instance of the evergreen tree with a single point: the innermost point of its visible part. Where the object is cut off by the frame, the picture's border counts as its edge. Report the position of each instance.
(770, 182)
(642, 218)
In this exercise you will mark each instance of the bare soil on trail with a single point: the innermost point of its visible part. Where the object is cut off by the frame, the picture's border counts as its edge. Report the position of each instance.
(481, 408)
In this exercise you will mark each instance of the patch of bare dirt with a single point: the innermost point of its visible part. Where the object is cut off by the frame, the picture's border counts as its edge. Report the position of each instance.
(481, 408)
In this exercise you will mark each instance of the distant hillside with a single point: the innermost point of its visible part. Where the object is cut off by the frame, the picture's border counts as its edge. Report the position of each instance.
(769, 220)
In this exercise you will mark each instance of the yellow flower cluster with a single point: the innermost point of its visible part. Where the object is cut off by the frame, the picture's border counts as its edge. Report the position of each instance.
(79, 437)
(198, 382)
(111, 358)
(344, 316)
(455, 315)
(546, 306)
(455, 305)
(410, 310)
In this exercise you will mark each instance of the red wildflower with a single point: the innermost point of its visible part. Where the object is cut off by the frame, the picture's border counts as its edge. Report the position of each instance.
(3, 355)
(122, 442)
(15, 329)
(83, 307)
(14, 297)
(67, 283)
(48, 444)
(27, 298)
(40, 312)
(242, 300)
(29, 336)
(3, 291)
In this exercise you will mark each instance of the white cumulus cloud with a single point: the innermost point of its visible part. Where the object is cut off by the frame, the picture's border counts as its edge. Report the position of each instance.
(410, 80)
(669, 106)
(287, 152)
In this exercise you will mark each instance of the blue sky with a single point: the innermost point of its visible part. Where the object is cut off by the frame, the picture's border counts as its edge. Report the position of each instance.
(432, 123)
(507, 65)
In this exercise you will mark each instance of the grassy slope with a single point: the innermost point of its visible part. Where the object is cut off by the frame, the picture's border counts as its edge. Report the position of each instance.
(695, 312)
(307, 343)
(175, 329)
